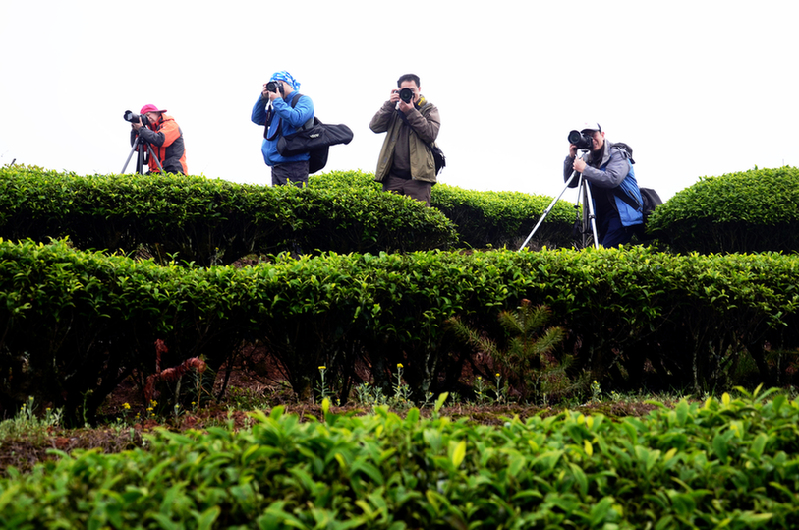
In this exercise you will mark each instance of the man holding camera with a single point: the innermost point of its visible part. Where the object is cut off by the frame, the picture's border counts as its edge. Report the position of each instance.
(164, 136)
(405, 164)
(608, 171)
(282, 112)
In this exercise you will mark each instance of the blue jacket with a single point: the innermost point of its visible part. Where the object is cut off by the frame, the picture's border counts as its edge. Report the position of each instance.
(615, 171)
(290, 120)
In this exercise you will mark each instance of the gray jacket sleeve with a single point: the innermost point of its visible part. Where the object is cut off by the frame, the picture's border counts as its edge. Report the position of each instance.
(614, 173)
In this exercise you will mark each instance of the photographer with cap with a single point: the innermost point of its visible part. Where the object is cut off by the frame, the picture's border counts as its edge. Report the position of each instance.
(275, 111)
(164, 136)
(405, 164)
(608, 171)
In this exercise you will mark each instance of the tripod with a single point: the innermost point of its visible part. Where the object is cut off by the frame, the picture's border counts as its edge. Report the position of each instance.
(139, 145)
(584, 194)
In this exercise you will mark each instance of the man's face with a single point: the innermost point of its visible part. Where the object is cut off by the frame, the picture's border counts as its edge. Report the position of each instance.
(412, 86)
(286, 87)
(153, 116)
(597, 139)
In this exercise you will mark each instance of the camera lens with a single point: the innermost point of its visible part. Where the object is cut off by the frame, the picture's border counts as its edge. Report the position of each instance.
(580, 141)
(406, 94)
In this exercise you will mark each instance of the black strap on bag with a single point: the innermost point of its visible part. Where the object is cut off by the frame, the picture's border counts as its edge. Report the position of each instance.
(279, 130)
(315, 138)
(648, 195)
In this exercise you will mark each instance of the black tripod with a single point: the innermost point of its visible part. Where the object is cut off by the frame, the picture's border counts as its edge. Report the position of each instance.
(140, 146)
(589, 216)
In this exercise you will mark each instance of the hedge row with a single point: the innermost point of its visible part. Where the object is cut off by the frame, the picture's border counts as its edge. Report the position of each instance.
(749, 211)
(210, 221)
(73, 322)
(730, 464)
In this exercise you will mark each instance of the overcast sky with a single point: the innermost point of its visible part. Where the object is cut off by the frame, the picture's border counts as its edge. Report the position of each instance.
(695, 87)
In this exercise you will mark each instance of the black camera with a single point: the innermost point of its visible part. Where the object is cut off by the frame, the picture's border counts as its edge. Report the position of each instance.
(272, 86)
(580, 140)
(406, 94)
(134, 118)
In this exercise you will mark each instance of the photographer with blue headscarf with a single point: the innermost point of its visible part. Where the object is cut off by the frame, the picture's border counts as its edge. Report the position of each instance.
(283, 110)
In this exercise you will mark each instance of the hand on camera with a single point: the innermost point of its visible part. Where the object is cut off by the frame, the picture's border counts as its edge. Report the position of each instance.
(572, 151)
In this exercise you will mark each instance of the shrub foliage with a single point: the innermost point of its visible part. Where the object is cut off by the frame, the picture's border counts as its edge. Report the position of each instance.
(729, 463)
(750, 211)
(73, 322)
(208, 222)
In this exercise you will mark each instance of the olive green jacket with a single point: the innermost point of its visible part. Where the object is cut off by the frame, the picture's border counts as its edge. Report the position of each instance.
(424, 122)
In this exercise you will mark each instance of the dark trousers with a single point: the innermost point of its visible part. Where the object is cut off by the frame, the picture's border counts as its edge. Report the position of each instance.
(290, 173)
(415, 189)
(612, 233)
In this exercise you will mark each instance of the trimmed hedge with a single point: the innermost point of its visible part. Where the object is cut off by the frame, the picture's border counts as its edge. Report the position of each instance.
(483, 219)
(730, 464)
(499, 219)
(749, 211)
(209, 222)
(77, 321)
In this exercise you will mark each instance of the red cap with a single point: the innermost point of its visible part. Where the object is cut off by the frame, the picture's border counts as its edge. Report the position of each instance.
(150, 108)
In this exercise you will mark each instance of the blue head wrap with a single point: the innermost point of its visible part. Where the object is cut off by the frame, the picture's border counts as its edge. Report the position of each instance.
(285, 76)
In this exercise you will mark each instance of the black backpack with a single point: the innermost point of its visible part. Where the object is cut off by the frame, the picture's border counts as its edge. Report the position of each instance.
(314, 137)
(648, 195)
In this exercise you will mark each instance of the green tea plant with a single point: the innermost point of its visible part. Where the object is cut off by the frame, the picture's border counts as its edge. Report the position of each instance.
(722, 463)
(743, 212)
(635, 317)
(203, 222)
(499, 219)
(483, 219)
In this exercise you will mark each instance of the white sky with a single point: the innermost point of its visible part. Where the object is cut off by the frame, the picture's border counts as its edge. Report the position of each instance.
(696, 87)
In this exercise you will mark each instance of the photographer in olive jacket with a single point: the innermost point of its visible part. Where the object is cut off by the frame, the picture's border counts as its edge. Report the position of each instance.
(608, 170)
(274, 110)
(405, 164)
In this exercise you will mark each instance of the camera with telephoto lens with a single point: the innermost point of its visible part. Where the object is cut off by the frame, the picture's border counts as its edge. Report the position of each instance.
(406, 94)
(580, 140)
(134, 118)
(272, 86)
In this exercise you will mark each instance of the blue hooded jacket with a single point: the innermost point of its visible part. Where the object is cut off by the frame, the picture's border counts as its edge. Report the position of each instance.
(288, 119)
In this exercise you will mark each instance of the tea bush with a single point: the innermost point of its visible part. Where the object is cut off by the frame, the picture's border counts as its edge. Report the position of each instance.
(483, 218)
(499, 219)
(72, 323)
(729, 463)
(749, 211)
(207, 222)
